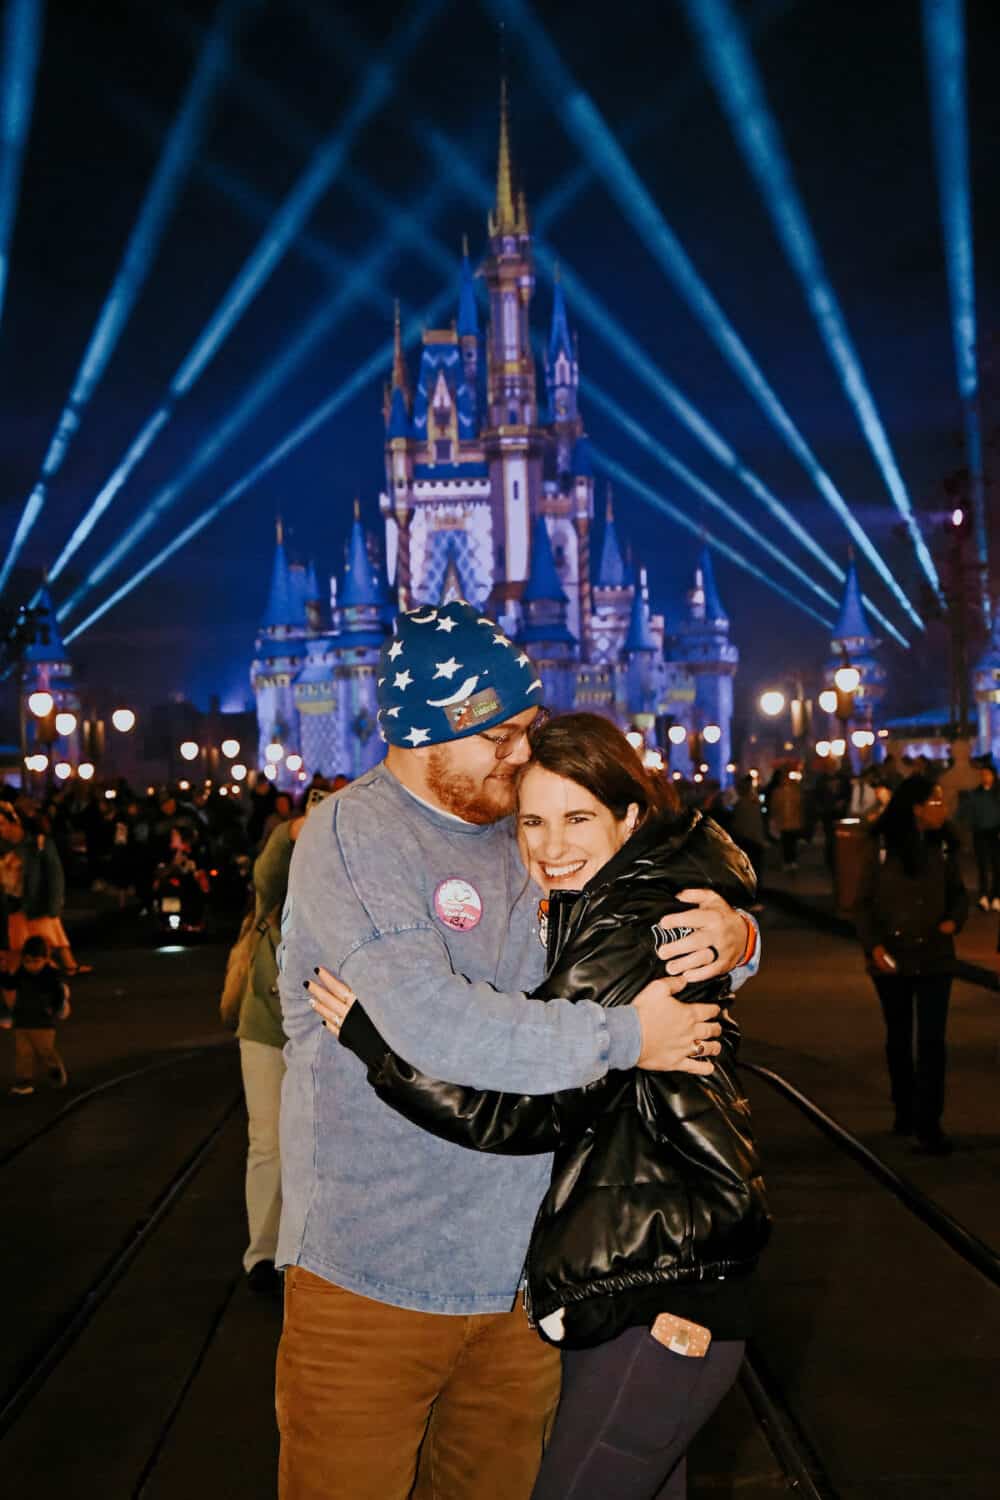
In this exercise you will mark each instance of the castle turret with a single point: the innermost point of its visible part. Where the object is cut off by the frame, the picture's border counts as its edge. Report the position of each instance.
(355, 652)
(279, 652)
(468, 334)
(612, 594)
(986, 688)
(703, 647)
(544, 630)
(47, 668)
(854, 644)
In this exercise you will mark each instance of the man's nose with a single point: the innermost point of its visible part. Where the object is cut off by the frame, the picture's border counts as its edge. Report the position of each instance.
(520, 750)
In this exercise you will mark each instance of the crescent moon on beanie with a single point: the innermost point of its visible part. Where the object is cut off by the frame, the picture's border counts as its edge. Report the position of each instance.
(465, 691)
(425, 620)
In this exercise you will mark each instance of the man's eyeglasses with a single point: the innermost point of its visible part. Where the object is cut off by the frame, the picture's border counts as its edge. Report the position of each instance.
(505, 741)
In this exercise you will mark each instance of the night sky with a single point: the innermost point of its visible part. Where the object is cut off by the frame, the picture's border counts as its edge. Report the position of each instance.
(847, 84)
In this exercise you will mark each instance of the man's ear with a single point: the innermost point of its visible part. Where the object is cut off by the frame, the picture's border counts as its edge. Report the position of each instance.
(631, 817)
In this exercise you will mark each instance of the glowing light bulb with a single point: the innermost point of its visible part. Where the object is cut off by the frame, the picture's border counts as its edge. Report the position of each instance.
(123, 719)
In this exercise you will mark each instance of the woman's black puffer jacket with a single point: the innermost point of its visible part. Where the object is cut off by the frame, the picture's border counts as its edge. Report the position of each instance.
(655, 1179)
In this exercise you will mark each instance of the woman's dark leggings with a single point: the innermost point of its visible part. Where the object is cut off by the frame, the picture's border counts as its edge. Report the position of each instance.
(628, 1413)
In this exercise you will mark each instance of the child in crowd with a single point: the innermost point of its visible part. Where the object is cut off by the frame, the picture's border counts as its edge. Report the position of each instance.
(35, 998)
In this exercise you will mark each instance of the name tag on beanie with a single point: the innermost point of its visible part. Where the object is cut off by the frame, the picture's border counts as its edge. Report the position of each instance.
(475, 710)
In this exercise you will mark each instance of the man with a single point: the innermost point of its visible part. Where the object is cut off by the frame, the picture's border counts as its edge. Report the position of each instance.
(402, 1340)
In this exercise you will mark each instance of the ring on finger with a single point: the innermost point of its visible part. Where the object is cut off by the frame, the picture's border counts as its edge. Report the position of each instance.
(699, 1050)
(714, 952)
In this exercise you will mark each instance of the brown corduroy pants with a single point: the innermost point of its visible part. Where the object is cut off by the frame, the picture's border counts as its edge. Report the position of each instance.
(377, 1402)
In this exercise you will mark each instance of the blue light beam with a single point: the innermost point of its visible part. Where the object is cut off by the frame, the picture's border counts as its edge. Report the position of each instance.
(583, 123)
(287, 224)
(140, 251)
(360, 282)
(944, 44)
(645, 492)
(22, 43)
(372, 367)
(635, 359)
(730, 64)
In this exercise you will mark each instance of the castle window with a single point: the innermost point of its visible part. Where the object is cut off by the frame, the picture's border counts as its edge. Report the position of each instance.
(442, 450)
(517, 490)
(513, 414)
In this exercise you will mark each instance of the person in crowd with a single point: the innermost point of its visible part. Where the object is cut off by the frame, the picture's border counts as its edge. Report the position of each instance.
(746, 824)
(402, 1348)
(35, 997)
(262, 799)
(647, 1237)
(784, 807)
(910, 904)
(980, 811)
(34, 891)
(891, 774)
(256, 1010)
(281, 812)
(831, 796)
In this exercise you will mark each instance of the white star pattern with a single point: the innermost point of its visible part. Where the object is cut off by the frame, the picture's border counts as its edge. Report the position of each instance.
(500, 640)
(523, 661)
(396, 649)
(392, 713)
(446, 668)
(402, 679)
(447, 624)
(417, 737)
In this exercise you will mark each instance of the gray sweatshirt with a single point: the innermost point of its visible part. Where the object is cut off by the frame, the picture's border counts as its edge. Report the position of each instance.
(433, 923)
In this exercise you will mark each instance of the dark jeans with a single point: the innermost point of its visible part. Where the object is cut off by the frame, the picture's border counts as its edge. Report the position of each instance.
(789, 845)
(986, 844)
(917, 1092)
(628, 1414)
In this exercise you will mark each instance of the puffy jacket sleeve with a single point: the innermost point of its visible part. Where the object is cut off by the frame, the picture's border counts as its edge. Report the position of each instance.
(480, 1119)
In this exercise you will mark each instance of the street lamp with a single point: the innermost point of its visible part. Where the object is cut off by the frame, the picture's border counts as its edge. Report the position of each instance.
(63, 770)
(273, 754)
(238, 772)
(85, 771)
(711, 734)
(772, 703)
(822, 749)
(294, 762)
(230, 749)
(123, 719)
(677, 734)
(634, 738)
(271, 771)
(847, 679)
(828, 701)
(838, 748)
(189, 750)
(65, 723)
(41, 704)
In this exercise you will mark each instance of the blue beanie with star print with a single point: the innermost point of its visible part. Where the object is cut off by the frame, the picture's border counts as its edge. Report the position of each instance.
(450, 672)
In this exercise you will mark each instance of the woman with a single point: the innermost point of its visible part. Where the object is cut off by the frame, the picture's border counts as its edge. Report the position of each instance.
(784, 806)
(909, 907)
(642, 1250)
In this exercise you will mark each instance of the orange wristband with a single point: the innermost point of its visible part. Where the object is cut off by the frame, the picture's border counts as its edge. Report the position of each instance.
(751, 947)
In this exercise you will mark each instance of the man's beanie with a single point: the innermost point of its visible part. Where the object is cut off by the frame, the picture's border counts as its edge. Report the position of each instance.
(449, 672)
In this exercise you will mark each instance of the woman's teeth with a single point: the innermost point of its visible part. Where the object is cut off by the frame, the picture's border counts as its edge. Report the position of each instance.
(559, 872)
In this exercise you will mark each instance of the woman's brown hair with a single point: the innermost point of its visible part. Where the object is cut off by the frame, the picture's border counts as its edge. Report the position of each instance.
(593, 752)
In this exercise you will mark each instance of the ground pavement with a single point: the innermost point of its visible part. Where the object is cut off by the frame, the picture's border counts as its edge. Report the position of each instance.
(881, 1342)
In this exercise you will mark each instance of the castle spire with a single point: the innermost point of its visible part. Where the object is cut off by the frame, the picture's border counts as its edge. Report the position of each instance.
(284, 603)
(504, 219)
(360, 587)
(852, 622)
(611, 573)
(713, 604)
(640, 636)
(559, 339)
(400, 380)
(468, 311)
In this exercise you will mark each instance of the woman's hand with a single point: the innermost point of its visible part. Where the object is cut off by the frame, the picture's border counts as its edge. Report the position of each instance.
(717, 942)
(330, 999)
(883, 960)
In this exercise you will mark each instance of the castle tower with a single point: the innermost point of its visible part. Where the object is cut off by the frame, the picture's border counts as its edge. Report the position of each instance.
(512, 441)
(854, 644)
(280, 648)
(544, 630)
(644, 657)
(467, 328)
(612, 594)
(986, 688)
(704, 647)
(567, 497)
(355, 652)
(47, 668)
(397, 502)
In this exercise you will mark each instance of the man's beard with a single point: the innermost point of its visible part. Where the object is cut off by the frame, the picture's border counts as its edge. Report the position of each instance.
(475, 801)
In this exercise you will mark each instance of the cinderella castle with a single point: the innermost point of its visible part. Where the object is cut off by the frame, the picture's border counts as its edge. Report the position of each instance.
(489, 496)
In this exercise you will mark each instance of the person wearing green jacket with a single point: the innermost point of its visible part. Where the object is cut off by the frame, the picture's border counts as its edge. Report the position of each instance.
(262, 1062)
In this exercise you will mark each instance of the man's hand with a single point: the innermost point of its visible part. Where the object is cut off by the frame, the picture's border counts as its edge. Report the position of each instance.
(883, 960)
(717, 942)
(676, 1037)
